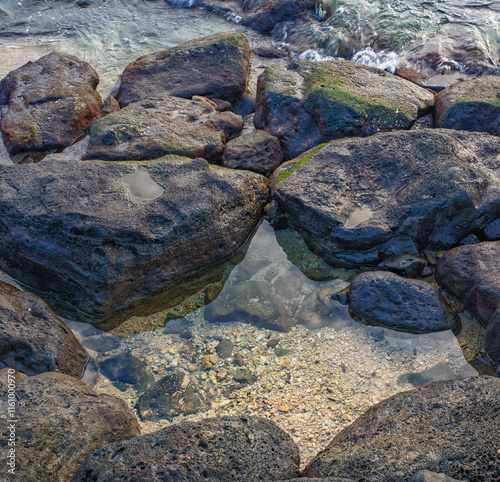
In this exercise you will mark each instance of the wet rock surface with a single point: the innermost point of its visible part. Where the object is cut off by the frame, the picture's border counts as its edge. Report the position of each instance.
(446, 427)
(407, 266)
(61, 421)
(152, 128)
(471, 273)
(440, 371)
(48, 103)
(399, 303)
(257, 151)
(215, 66)
(226, 448)
(171, 396)
(125, 368)
(355, 200)
(307, 103)
(101, 235)
(33, 339)
(471, 106)
(251, 302)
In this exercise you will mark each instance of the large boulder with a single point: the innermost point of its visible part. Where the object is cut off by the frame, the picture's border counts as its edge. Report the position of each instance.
(219, 449)
(153, 128)
(263, 15)
(307, 103)
(48, 103)
(33, 339)
(60, 421)
(449, 427)
(216, 66)
(471, 106)
(472, 274)
(101, 235)
(359, 201)
(399, 303)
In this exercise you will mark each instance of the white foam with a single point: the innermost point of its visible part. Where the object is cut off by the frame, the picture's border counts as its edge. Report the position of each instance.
(382, 60)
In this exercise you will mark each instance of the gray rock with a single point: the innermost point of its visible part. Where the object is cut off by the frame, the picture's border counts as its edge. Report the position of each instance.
(492, 231)
(440, 371)
(256, 151)
(470, 106)
(449, 427)
(355, 198)
(399, 303)
(307, 103)
(60, 422)
(244, 377)
(225, 348)
(125, 368)
(428, 476)
(101, 235)
(221, 449)
(33, 339)
(173, 395)
(150, 129)
(176, 327)
(214, 66)
(102, 343)
(407, 266)
(252, 302)
(48, 103)
(472, 274)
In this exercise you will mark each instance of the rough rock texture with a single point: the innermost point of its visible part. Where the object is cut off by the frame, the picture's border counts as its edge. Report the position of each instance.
(48, 103)
(404, 265)
(257, 151)
(471, 106)
(449, 427)
(428, 476)
(173, 395)
(220, 449)
(307, 103)
(399, 303)
(252, 302)
(358, 201)
(125, 368)
(101, 235)
(33, 339)
(214, 66)
(60, 422)
(492, 231)
(153, 128)
(472, 274)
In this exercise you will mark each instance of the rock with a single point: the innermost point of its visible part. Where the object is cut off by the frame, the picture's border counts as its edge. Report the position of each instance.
(48, 103)
(399, 303)
(407, 266)
(307, 103)
(238, 360)
(355, 199)
(440, 371)
(256, 151)
(176, 327)
(263, 15)
(470, 106)
(492, 231)
(272, 343)
(125, 368)
(245, 106)
(319, 309)
(33, 339)
(471, 239)
(109, 106)
(491, 340)
(150, 129)
(186, 335)
(427, 476)
(173, 395)
(102, 343)
(269, 52)
(449, 427)
(102, 235)
(214, 66)
(251, 302)
(322, 479)
(225, 348)
(60, 422)
(226, 449)
(208, 361)
(244, 377)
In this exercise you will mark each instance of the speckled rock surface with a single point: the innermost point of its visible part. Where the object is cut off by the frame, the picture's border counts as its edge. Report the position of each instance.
(48, 103)
(449, 427)
(307, 103)
(227, 448)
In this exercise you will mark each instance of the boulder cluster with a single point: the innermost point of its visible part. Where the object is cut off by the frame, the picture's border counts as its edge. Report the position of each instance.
(174, 180)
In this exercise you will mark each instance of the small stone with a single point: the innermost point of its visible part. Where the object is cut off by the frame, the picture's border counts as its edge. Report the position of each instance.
(272, 342)
(285, 408)
(225, 348)
(238, 360)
